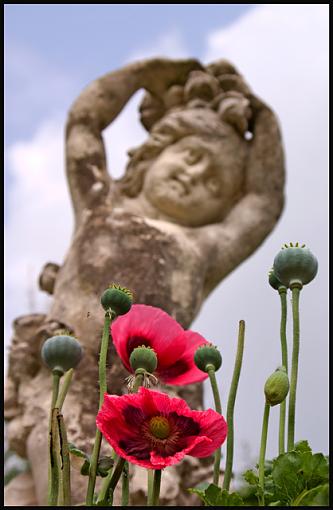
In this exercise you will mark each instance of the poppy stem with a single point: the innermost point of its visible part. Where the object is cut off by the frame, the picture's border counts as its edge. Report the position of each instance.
(102, 391)
(150, 473)
(110, 482)
(125, 486)
(65, 480)
(52, 468)
(156, 487)
(217, 455)
(63, 461)
(139, 378)
(64, 389)
(231, 405)
(284, 352)
(263, 452)
(295, 289)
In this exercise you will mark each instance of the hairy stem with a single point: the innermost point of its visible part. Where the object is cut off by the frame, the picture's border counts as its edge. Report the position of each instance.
(284, 353)
(156, 487)
(102, 391)
(139, 378)
(64, 389)
(231, 405)
(218, 408)
(110, 481)
(52, 492)
(150, 474)
(294, 368)
(65, 480)
(263, 452)
(125, 486)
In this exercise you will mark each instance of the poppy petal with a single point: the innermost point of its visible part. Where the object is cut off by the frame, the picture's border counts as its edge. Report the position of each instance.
(213, 427)
(150, 326)
(125, 422)
(184, 370)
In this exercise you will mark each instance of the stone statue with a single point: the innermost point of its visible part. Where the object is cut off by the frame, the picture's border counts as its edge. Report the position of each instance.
(197, 198)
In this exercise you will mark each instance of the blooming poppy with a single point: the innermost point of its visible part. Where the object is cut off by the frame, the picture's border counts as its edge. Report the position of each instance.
(174, 347)
(153, 430)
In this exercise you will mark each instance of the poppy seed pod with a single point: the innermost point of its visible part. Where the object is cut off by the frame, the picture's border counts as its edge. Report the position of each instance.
(119, 299)
(207, 355)
(61, 352)
(274, 281)
(143, 357)
(295, 265)
(277, 387)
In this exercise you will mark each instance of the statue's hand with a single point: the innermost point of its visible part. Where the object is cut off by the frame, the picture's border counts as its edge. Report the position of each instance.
(160, 73)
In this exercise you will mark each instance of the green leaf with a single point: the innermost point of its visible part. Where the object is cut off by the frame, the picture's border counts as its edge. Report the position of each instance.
(314, 469)
(296, 472)
(198, 492)
(318, 496)
(288, 482)
(74, 450)
(302, 446)
(202, 486)
(250, 477)
(214, 496)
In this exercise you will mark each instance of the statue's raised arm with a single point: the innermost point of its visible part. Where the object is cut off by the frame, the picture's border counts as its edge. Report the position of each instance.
(95, 108)
(255, 214)
(213, 165)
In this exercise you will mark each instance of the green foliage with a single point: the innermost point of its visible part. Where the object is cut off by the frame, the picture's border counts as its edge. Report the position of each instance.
(296, 473)
(297, 478)
(214, 496)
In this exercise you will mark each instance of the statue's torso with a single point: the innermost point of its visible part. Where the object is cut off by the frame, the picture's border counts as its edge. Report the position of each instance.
(159, 264)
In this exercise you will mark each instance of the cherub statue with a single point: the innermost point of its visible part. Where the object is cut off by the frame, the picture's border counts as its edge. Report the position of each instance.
(197, 198)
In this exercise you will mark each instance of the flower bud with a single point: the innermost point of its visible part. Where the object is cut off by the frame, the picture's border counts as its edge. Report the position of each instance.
(143, 357)
(119, 299)
(206, 355)
(104, 465)
(61, 352)
(295, 265)
(277, 387)
(274, 281)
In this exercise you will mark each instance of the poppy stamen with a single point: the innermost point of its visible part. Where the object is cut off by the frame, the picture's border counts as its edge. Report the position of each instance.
(159, 426)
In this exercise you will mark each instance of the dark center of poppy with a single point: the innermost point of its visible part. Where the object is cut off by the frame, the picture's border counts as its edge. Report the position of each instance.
(159, 427)
(136, 341)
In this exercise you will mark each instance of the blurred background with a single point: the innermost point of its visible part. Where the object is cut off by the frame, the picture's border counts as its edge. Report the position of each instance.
(53, 51)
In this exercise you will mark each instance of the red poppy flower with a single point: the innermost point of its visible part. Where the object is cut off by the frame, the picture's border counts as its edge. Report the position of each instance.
(174, 347)
(153, 430)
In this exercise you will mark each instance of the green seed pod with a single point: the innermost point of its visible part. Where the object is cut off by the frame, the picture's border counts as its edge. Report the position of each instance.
(274, 281)
(295, 265)
(143, 357)
(61, 352)
(277, 387)
(104, 465)
(119, 299)
(206, 355)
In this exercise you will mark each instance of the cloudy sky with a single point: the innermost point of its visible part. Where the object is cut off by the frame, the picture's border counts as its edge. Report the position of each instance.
(53, 51)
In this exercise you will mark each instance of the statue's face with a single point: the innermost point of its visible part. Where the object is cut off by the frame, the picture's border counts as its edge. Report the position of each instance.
(195, 182)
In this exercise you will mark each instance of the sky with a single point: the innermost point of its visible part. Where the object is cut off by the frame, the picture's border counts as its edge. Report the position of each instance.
(53, 51)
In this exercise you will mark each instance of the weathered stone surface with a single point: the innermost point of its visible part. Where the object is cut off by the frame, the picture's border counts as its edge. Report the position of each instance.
(197, 198)
(21, 491)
